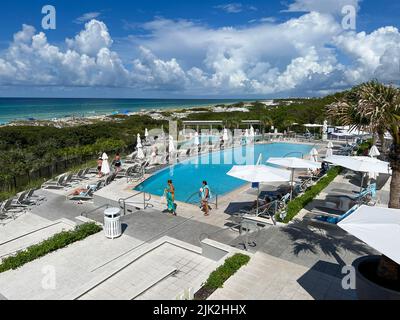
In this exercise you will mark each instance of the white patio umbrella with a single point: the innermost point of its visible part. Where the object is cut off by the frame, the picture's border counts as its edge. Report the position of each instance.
(314, 155)
(259, 174)
(225, 136)
(330, 144)
(374, 152)
(293, 164)
(171, 146)
(329, 153)
(139, 142)
(361, 164)
(377, 227)
(105, 167)
(146, 133)
(196, 139)
(140, 153)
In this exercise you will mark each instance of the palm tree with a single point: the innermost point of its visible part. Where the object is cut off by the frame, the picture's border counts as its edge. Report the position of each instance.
(266, 122)
(376, 107)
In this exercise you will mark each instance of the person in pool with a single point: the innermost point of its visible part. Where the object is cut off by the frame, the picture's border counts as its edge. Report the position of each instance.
(170, 195)
(205, 197)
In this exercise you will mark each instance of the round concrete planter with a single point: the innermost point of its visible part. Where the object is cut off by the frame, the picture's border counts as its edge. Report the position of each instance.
(367, 289)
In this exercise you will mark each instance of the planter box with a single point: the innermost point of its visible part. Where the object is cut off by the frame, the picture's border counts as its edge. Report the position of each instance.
(366, 288)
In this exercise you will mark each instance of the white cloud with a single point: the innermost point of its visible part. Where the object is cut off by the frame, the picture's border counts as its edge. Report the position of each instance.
(374, 55)
(87, 17)
(322, 6)
(255, 59)
(31, 60)
(301, 55)
(90, 40)
(235, 7)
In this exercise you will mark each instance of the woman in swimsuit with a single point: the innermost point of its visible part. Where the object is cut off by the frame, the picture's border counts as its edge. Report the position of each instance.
(170, 194)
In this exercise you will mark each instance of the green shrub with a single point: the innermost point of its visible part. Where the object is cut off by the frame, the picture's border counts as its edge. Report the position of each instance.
(296, 205)
(54, 243)
(224, 272)
(364, 147)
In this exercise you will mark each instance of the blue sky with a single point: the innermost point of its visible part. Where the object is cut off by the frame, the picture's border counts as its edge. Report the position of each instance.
(196, 48)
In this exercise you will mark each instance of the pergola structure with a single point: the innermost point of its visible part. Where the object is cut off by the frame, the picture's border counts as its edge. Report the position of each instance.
(203, 123)
(251, 122)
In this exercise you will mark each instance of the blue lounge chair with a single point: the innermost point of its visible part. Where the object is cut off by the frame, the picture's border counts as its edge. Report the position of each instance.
(331, 219)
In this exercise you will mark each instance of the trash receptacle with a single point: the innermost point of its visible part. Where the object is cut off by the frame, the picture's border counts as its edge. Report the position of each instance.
(112, 223)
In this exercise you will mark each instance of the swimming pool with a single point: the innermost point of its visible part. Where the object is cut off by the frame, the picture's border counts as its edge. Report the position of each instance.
(188, 175)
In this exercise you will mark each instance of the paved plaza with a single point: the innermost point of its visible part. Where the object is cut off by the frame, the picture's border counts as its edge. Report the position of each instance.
(159, 256)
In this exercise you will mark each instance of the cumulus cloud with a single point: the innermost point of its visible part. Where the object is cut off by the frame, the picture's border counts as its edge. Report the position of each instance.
(299, 56)
(89, 41)
(374, 55)
(31, 60)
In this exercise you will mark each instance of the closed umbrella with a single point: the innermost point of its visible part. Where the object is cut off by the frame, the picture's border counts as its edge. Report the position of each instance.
(314, 155)
(225, 136)
(171, 146)
(252, 133)
(139, 142)
(139, 146)
(293, 164)
(259, 174)
(146, 133)
(246, 135)
(374, 152)
(105, 167)
(329, 153)
(377, 227)
(196, 139)
(140, 153)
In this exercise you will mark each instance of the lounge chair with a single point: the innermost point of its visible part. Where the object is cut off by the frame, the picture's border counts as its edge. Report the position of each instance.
(81, 175)
(31, 198)
(366, 194)
(135, 173)
(68, 180)
(332, 218)
(10, 208)
(88, 194)
(265, 210)
(20, 201)
(78, 176)
(54, 184)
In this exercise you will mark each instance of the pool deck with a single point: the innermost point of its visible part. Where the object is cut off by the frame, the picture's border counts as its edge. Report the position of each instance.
(301, 260)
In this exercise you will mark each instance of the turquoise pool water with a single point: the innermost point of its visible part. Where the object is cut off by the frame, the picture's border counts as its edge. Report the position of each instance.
(188, 176)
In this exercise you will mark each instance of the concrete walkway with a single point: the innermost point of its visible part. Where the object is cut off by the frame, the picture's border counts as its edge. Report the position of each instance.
(270, 278)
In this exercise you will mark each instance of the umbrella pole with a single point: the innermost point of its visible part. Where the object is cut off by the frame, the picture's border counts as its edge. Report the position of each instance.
(258, 195)
(362, 182)
(291, 186)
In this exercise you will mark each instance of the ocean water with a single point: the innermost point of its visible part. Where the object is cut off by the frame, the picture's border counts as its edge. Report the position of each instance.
(46, 109)
(188, 176)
